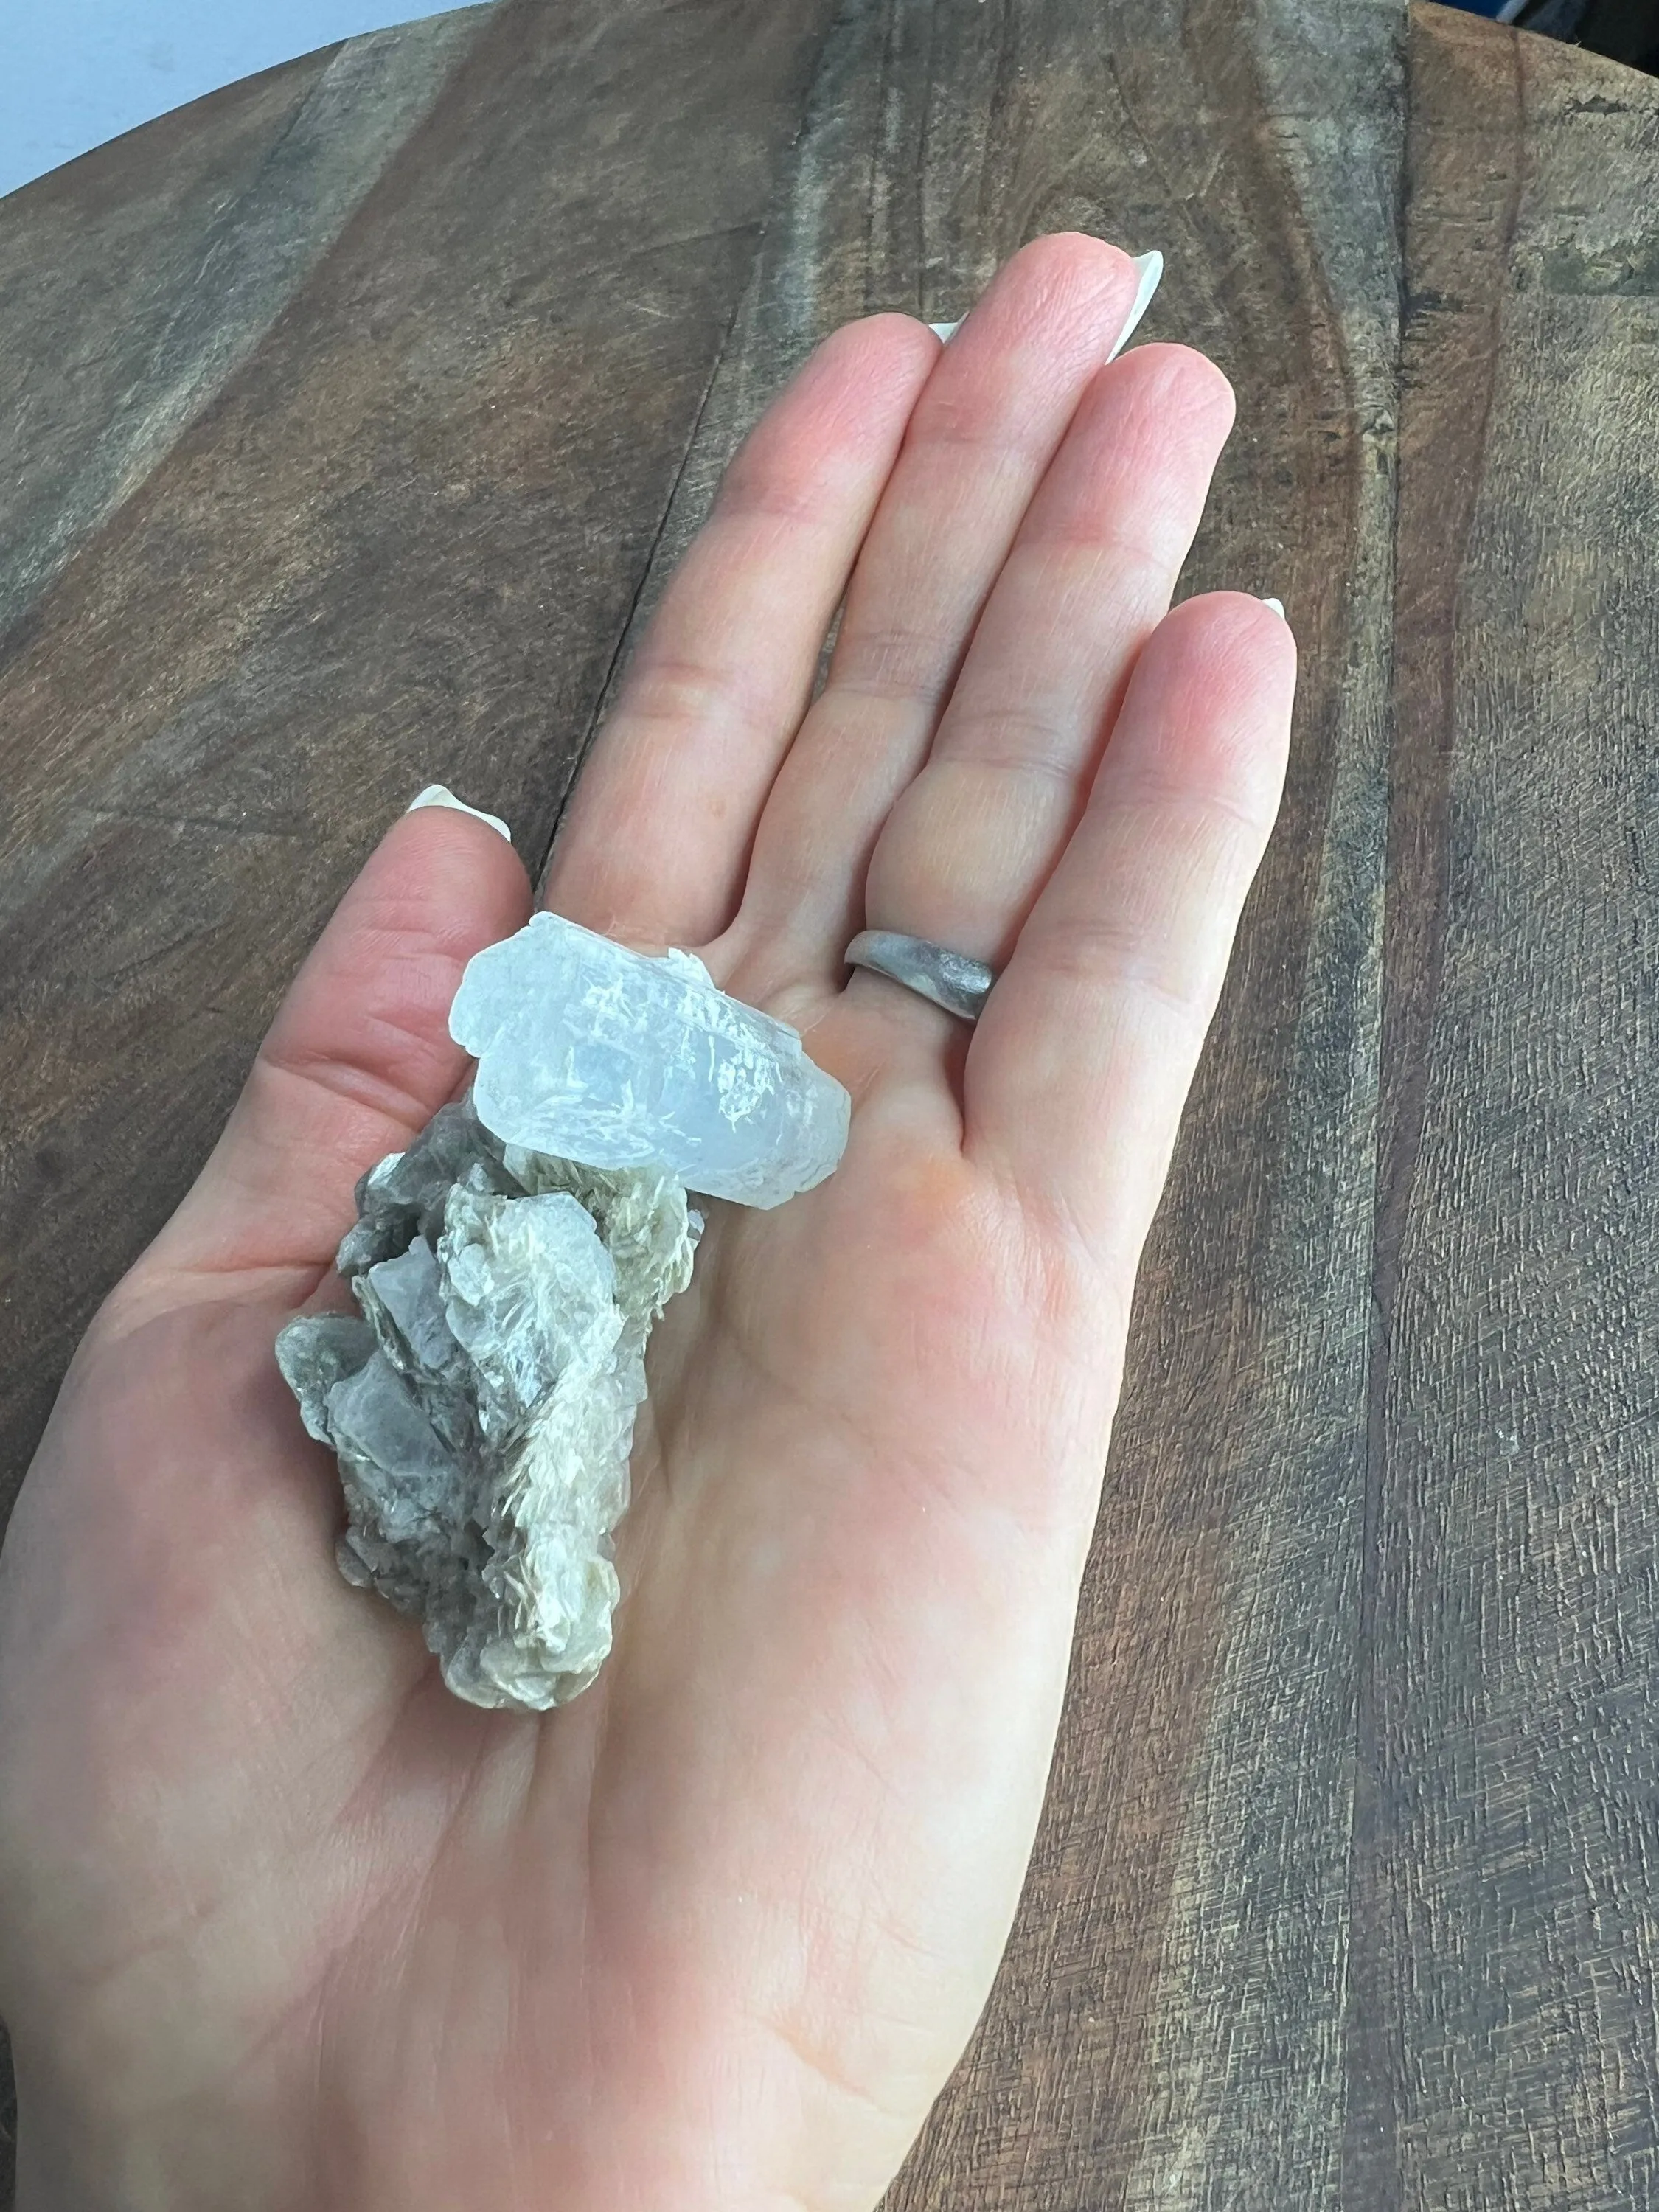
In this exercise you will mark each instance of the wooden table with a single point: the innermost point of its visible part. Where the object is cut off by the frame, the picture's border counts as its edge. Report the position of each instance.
(349, 423)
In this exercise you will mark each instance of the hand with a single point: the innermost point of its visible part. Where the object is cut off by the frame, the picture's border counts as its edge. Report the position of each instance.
(282, 1923)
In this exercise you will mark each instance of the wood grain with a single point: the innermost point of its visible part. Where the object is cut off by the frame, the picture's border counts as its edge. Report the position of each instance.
(1506, 1925)
(357, 416)
(400, 541)
(134, 285)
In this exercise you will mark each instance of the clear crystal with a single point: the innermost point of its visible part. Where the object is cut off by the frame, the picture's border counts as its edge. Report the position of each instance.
(625, 1060)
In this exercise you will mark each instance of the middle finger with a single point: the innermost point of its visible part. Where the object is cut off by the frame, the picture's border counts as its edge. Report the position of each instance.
(973, 838)
(983, 432)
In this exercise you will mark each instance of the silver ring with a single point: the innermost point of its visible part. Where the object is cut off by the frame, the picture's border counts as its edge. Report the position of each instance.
(933, 971)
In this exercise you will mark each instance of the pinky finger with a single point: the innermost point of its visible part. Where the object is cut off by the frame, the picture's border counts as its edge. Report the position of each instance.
(1082, 1062)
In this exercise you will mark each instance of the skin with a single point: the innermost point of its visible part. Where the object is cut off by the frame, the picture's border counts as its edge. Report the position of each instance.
(282, 1923)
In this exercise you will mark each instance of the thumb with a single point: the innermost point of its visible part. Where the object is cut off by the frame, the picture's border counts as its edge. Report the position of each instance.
(359, 1057)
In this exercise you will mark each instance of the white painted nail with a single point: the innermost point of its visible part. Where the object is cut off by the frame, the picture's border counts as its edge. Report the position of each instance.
(436, 794)
(1151, 266)
(945, 330)
(1278, 606)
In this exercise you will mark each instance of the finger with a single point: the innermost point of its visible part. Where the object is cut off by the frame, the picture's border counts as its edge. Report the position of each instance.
(1079, 1070)
(983, 434)
(359, 1057)
(658, 835)
(973, 839)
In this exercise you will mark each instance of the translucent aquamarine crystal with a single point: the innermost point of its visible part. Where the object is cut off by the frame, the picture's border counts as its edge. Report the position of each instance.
(508, 1268)
(623, 1060)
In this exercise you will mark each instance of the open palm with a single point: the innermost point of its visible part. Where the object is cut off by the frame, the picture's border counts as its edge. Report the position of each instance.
(284, 1923)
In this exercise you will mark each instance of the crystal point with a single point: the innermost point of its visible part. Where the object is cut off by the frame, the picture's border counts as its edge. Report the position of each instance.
(625, 1060)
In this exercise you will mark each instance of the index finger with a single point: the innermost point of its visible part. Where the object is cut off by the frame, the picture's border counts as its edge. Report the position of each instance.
(656, 842)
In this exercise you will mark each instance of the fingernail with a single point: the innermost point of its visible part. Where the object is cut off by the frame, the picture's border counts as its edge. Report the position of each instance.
(1151, 266)
(945, 330)
(1278, 606)
(436, 794)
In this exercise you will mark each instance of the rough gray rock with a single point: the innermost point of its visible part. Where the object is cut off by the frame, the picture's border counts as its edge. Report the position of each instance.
(482, 1408)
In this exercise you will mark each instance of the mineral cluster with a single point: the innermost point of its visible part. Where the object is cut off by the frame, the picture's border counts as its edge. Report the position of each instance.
(508, 1269)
